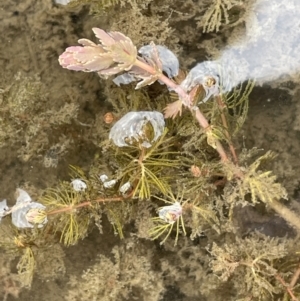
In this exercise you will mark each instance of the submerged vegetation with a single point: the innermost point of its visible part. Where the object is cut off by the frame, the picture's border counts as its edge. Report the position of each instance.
(169, 169)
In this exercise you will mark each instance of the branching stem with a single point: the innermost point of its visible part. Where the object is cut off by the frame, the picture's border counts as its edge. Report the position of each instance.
(188, 102)
(101, 200)
(224, 121)
(89, 203)
(287, 287)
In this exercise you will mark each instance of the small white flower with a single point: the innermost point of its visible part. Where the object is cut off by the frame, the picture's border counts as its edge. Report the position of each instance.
(3, 209)
(103, 178)
(78, 185)
(62, 2)
(107, 184)
(110, 184)
(125, 187)
(171, 213)
(23, 206)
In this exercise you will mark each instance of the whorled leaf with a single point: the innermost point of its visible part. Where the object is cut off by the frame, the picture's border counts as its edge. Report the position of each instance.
(114, 54)
(260, 184)
(173, 109)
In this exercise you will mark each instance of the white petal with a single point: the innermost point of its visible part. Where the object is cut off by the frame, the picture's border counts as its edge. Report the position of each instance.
(22, 196)
(103, 178)
(78, 185)
(125, 187)
(110, 184)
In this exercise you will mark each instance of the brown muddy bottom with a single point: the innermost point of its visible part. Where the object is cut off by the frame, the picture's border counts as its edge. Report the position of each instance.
(34, 33)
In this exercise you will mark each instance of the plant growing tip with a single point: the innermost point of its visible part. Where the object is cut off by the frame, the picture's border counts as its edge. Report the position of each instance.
(114, 54)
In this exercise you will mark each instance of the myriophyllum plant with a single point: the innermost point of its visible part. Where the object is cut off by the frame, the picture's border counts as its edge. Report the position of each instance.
(117, 54)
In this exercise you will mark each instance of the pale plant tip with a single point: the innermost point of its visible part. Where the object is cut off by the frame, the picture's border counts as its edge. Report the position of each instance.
(86, 42)
(103, 36)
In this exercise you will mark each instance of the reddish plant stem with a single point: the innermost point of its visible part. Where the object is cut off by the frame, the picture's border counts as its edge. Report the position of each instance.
(289, 290)
(295, 277)
(87, 203)
(187, 102)
(225, 124)
(287, 214)
(205, 125)
(168, 82)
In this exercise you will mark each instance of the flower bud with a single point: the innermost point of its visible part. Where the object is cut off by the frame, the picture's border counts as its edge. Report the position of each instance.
(171, 213)
(78, 185)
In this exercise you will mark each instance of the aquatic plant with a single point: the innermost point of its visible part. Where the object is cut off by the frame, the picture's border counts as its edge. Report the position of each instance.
(179, 169)
(226, 113)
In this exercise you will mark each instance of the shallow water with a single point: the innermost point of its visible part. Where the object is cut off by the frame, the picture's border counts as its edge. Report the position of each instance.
(34, 33)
